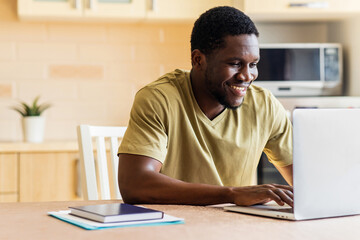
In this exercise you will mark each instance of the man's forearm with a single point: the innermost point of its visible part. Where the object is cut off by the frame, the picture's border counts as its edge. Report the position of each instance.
(158, 188)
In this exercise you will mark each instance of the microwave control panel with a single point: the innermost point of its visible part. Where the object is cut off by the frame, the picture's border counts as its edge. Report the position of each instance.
(331, 61)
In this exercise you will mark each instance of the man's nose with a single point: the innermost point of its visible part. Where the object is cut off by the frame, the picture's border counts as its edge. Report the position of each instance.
(245, 75)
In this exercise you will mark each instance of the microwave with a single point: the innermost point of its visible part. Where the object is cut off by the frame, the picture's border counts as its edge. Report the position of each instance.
(301, 69)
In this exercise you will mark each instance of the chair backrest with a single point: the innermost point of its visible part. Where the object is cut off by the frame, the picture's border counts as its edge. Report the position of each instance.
(89, 180)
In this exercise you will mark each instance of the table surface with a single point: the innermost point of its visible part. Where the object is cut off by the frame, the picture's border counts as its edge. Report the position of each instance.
(30, 221)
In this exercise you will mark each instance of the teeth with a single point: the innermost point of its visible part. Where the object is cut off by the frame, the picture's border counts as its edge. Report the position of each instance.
(239, 88)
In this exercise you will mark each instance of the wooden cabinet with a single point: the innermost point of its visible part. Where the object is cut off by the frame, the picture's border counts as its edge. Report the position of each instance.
(115, 10)
(300, 9)
(81, 9)
(182, 9)
(50, 9)
(8, 177)
(48, 176)
(32, 172)
(141, 10)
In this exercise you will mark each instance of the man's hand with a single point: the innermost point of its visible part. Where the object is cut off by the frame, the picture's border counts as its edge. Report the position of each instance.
(246, 196)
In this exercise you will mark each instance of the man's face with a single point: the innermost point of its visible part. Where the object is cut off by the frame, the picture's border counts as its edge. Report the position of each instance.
(230, 70)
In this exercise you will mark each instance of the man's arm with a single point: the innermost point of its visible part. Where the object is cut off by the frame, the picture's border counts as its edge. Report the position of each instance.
(140, 181)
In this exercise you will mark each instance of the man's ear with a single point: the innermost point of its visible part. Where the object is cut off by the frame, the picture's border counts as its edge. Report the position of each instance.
(198, 59)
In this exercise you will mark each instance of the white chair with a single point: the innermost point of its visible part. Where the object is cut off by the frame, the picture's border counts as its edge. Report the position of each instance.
(88, 164)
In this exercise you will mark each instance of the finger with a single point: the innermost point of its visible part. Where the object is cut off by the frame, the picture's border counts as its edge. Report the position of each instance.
(281, 196)
(285, 195)
(275, 185)
(271, 194)
(287, 187)
(290, 193)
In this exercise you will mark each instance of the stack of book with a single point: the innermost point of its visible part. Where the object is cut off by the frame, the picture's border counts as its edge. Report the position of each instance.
(113, 215)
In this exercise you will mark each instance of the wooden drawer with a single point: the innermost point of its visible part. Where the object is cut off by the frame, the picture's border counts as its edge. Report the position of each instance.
(48, 176)
(8, 173)
(9, 197)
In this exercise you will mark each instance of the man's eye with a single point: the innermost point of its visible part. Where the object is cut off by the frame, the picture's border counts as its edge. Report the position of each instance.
(235, 64)
(253, 65)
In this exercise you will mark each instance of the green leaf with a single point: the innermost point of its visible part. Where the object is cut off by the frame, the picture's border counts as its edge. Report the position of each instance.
(27, 109)
(34, 109)
(34, 105)
(43, 107)
(21, 111)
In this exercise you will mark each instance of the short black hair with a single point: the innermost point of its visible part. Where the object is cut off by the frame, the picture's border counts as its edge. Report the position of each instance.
(214, 25)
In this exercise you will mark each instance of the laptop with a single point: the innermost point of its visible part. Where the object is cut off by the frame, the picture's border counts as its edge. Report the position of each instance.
(326, 167)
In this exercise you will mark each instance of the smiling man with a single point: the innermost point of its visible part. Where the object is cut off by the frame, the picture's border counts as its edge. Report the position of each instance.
(196, 137)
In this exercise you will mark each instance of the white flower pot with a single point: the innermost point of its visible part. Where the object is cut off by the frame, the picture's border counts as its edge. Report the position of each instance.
(33, 129)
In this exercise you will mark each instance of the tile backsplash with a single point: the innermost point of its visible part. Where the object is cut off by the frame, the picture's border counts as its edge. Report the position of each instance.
(88, 72)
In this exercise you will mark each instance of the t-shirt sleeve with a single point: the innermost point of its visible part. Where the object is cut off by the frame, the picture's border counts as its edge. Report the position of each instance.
(146, 134)
(279, 146)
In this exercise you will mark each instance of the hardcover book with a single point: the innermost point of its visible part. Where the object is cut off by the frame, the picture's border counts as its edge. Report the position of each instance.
(115, 212)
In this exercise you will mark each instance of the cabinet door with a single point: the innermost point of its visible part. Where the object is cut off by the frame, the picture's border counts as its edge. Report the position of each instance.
(50, 9)
(182, 9)
(48, 177)
(8, 197)
(115, 9)
(8, 177)
(301, 9)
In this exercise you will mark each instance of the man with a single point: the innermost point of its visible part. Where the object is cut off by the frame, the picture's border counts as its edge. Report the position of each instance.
(196, 137)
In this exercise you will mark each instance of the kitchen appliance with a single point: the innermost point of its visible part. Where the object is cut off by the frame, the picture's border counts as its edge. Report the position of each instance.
(301, 69)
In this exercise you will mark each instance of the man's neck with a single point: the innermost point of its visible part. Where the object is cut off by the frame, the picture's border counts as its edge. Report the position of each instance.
(207, 103)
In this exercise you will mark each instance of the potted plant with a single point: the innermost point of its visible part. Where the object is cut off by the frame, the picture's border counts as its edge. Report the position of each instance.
(32, 122)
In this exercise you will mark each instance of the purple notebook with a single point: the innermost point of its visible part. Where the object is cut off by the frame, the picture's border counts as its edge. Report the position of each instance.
(115, 212)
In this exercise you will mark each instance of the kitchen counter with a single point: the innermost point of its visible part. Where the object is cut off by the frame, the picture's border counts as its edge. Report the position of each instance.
(290, 103)
(48, 146)
(31, 172)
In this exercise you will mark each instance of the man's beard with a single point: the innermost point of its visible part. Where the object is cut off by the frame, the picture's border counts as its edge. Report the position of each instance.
(219, 96)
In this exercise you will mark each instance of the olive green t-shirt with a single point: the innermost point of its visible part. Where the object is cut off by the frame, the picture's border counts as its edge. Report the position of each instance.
(167, 124)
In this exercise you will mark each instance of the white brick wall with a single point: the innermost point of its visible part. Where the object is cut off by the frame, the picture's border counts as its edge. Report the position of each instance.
(88, 72)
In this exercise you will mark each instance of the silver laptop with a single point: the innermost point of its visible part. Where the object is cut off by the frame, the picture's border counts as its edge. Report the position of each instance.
(326, 155)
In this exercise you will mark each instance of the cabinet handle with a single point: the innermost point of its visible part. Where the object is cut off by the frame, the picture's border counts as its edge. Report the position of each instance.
(78, 189)
(309, 4)
(77, 4)
(153, 5)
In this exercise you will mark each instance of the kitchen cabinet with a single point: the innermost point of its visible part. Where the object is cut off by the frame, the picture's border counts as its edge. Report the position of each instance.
(48, 176)
(142, 10)
(31, 172)
(8, 177)
(182, 9)
(48, 8)
(300, 9)
(81, 9)
(116, 10)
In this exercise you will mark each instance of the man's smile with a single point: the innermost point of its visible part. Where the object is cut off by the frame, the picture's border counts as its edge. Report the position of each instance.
(239, 90)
